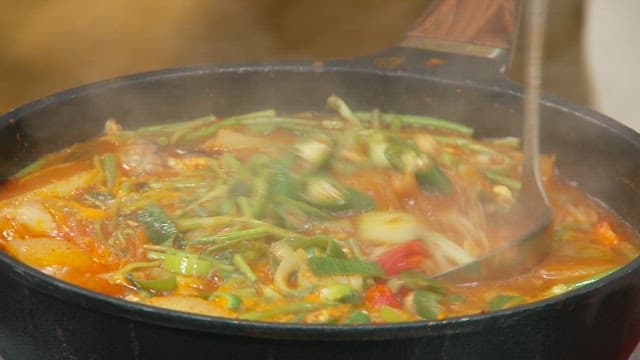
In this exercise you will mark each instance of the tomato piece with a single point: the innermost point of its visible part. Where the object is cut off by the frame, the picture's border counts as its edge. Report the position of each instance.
(380, 295)
(408, 256)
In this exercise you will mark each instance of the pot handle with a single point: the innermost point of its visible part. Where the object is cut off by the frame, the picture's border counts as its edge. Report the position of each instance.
(483, 28)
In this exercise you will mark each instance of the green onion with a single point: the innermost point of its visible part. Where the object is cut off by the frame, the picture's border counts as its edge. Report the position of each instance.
(471, 145)
(36, 165)
(418, 281)
(426, 122)
(230, 121)
(503, 179)
(110, 163)
(327, 193)
(187, 264)
(176, 126)
(314, 152)
(158, 226)
(391, 315)
(332, 266)
(357, 317)
(190, 263)
(343, 110)
(342, 293)
(433, 180)
(427, 304)
(239, 261)
(233, 301)
(245, 234)
(161, 281)
(428, 174)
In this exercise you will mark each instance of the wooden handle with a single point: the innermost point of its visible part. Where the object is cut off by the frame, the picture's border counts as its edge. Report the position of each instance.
(474, 27)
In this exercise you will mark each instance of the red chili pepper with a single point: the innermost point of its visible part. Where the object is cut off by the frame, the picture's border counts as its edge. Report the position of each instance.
(407, 256)
(379, 295)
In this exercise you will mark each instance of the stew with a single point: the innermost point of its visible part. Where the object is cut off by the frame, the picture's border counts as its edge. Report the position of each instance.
(317, 218)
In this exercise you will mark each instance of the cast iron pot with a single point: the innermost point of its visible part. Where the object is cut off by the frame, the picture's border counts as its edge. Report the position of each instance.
(44, 318)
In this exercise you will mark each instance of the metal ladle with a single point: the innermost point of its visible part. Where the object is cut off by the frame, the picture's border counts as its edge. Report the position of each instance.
(530, 216)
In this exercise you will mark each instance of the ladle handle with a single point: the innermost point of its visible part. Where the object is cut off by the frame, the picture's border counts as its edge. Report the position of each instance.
(486, 28)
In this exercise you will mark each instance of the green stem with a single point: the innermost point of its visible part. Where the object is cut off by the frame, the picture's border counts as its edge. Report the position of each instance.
(427, 122)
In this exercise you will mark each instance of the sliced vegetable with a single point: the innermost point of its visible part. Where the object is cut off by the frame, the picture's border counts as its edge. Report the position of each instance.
(426, 122)
(325, 192)
(155, 280)
(187, 264)
(239, 261)
(232, 301)
(357, 317)
(341, 293)
(433, 180)
(428, 174)
(427, 304)
(314, 152)
(230, 121)
(388, 227)
(503, 179)
(343, 109)
(158, 226)
(110, 166)
(391, 314)
(324, 265)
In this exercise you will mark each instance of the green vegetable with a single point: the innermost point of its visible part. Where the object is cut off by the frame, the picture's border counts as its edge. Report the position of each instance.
(29, 169)
(233, 301)
(341, 293)
(297, 214)
(230, 121)
(110, 163)
(418, 281)
(406, 158)
(389, 227)
(433, 180)
(314, 152)
(392, 315)
(334, 250)
(155, 280)
(358, 317)
(158, 226)
(426, 122)
(325, 192)
(239, 261)
(503, 301)
(326, 242)
(343, 110)
(332, 266)
(503, 179)
(187, 264)
(448, 248)
(427, 304)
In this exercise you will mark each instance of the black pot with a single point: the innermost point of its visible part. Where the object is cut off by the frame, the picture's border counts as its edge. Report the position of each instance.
(45, 318)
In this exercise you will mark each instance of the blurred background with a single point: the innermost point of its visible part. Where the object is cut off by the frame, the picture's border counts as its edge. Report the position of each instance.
(48, 46)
